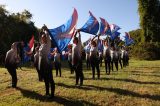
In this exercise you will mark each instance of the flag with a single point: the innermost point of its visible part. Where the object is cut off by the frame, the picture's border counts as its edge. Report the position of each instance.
(100, 45)
(31, 43)
(62, 35)
(91, 26)
(114, 28)
(114, 35)
(104, 28)
(128, 40)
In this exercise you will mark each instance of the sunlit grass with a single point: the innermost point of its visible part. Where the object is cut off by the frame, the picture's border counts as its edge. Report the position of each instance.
(137, 84)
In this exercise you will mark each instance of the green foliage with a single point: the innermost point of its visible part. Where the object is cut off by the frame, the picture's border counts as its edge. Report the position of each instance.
(149, 19)
(147, 51)
(15, 27)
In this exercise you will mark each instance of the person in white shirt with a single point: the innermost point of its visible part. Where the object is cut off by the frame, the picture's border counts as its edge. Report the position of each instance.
(107, 57)
(112, 54)
(36, 61)
(45, 65)
(115, 57)
(88, 56)
(11, 63)
(94, 59)
(69, 55)
(57, 61)
(77, 58)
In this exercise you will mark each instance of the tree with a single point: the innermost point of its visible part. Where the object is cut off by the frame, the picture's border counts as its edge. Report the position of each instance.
(15, 27)
(149, 19)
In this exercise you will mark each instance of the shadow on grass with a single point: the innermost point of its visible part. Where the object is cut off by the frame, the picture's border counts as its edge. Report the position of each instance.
(130, 80)
(125, 80)
(147, 75)
(58, 99)
(115, 90)
(144, 72)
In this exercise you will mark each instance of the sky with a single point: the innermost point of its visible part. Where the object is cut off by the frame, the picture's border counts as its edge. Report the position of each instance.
(54, 13)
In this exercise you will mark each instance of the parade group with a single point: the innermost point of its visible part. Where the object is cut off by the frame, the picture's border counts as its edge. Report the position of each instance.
(111, 54)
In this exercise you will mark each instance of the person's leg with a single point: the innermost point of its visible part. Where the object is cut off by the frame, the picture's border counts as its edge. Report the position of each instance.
(52, 83)
(46, 81)
(81, 76)
(120, 62)
(98, 71)
(56, 67)
(105, 61)
(77, 75)
(116, 65)
(112, 65)
(14, 77)
(60, 69)
(109, 66)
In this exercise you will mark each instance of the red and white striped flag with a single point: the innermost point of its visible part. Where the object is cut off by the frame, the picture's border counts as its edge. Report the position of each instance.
(31, 43)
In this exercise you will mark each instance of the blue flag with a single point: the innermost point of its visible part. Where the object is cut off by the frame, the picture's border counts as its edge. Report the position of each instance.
(115, 35)
(114, 28)
(128, 40)
(62, 35)
(91, 26)
(104, 28)
(100, 45)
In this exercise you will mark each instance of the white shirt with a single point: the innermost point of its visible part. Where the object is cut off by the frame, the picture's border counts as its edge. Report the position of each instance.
(57, 57)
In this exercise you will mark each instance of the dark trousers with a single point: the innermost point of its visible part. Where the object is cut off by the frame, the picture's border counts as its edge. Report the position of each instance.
(88, 63)
(79, 73)
(71, 67)
(120, 62)
(116, 64)
(13, 73)
(100, 61)
(39, 73)
(49, 83)
(112, 65)
(95, 64)
(46, 70)
(107, 66)
(58, 68)
(124, 62)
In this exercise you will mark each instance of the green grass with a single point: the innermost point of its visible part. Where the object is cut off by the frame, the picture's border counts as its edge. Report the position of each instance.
(138, 84)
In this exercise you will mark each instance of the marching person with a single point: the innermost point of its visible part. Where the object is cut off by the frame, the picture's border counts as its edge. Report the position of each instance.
(36, 61)
(11, 62)
(88, 56)
(107, 57)
(77, 58)
(69, 54)
(123, 56)
(45, 65)
(120, 60)
(94, 59)
(112, 54)
(57, 61)
(115, 57)
(20, 51)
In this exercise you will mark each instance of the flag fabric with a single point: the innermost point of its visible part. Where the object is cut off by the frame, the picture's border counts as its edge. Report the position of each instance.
(31, 43)
(114, 35)
(104, 28)
(100, 45)
(128, 40)
(91, 26)
(114, 28)
(62, 35)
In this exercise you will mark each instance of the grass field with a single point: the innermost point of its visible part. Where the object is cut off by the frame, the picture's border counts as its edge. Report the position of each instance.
(136, 85)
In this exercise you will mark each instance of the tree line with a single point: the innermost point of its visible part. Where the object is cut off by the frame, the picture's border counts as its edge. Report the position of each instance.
(15, 27)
